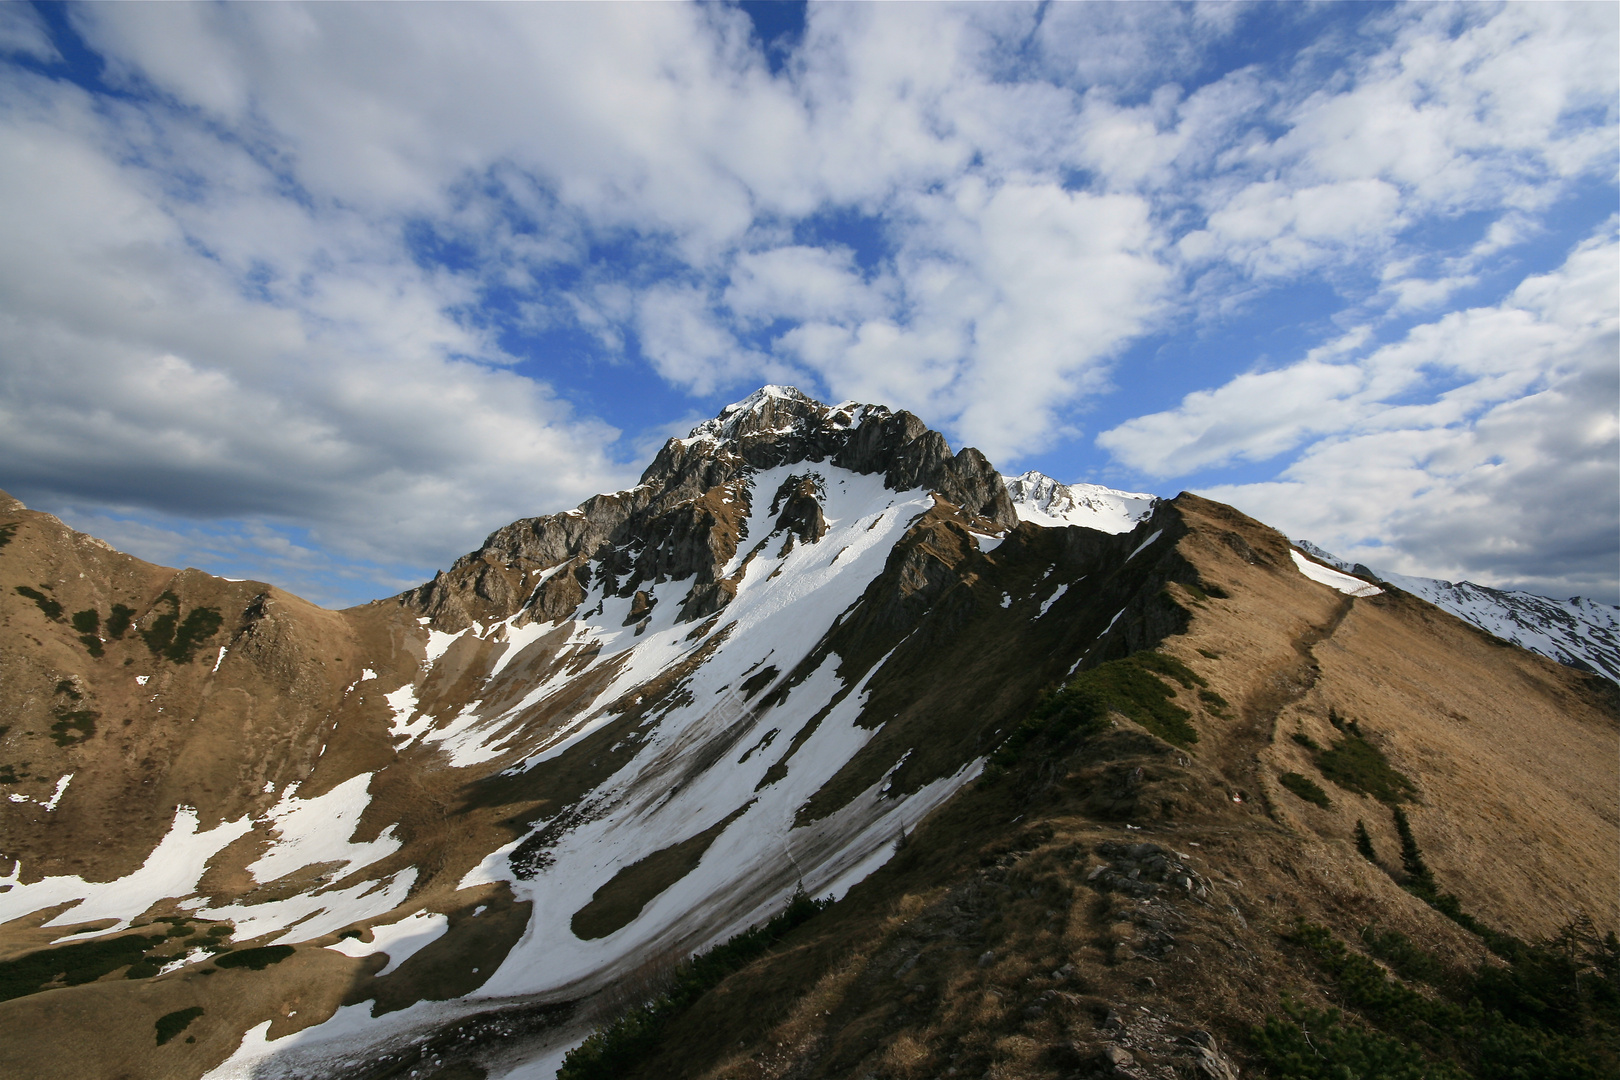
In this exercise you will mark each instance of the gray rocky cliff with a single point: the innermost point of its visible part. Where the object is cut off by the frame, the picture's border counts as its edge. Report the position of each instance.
(685, 519)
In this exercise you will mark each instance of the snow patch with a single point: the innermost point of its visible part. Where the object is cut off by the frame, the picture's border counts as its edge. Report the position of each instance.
(1042, 500)
(400, 940)
(1333, 579)
(170, 871)
(1156, 534)
(316, 830)
(56, 796)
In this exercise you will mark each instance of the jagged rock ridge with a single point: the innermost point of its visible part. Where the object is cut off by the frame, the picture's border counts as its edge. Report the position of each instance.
(684, 519)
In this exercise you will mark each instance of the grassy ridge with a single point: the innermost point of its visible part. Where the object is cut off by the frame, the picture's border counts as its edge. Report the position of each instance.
(1133, 687)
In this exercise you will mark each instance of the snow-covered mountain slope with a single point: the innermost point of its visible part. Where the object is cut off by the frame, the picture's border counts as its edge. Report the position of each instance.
(1042, 500)
(628, 730)
(1580, 632)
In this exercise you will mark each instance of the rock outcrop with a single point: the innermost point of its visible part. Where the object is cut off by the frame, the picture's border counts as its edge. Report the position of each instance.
(683, 521)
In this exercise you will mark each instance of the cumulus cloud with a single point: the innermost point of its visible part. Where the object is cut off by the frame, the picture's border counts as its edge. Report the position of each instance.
(1481, 446)
(140, 370)
(23, 33)
(297, 266)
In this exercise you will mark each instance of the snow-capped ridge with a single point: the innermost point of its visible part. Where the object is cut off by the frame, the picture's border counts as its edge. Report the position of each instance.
(686, 519)
(1044, 501)
(1578, 632)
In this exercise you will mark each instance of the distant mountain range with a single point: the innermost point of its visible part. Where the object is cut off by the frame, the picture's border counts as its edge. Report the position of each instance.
(1579, 632)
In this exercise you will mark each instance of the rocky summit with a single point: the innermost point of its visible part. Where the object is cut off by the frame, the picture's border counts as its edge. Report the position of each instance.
(823, 751)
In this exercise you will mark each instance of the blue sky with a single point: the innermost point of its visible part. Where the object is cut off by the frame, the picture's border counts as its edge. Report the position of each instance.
(323, 294)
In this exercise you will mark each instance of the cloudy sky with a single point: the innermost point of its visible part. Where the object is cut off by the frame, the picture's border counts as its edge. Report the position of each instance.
(322, 294)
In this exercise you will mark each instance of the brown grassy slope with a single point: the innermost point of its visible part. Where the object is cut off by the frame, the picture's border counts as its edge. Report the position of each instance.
(983, 947)
(188, 735)
(1514, 757)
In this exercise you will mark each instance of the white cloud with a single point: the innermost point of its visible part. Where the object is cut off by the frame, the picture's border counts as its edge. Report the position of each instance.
(233, 301)
(689, 347)
(22, 32)
(800, 283)
(1510, 475)
(138, 371)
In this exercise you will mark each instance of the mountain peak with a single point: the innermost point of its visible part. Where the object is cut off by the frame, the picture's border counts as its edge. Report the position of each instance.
(766, 393)
(1044, 501)
(772, 410)
(687, 518)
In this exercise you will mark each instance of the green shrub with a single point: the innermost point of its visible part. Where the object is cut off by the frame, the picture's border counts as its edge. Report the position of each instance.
(87, 621)
(1356, 765)
(1306, 789)
(51, 608)
(148, 966)
(1550, 1014)
(1135, 687)
(118, 621)
(254, 959)
(1069, 711)
(614, 1049)
(73, 726)
(201, 624)
(159, 634)
(1317, 1045)
(171, 1024)
(1418, 875)
(6, 533)
(172, 639)
(1364, 842)
(1398, 951)
(75, 964)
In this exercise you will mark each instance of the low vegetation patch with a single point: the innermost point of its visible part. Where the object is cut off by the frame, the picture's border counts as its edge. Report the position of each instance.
(1305, 788)
(1135, 686)
(119, 620)
(73, 726)
(52, 609)
(1132, 686)
(175, 640)
(1398, 951)
(1552, 1013)
(613, 1050)
(71, 965)
(6, 533)
(254, 959)
(1356, 765)
(1364, 842)
(171, 1024)
(88, 624)
(200, 624)
(148, 966)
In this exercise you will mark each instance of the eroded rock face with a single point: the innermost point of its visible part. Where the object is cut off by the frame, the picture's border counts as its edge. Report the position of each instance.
(685, 519)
